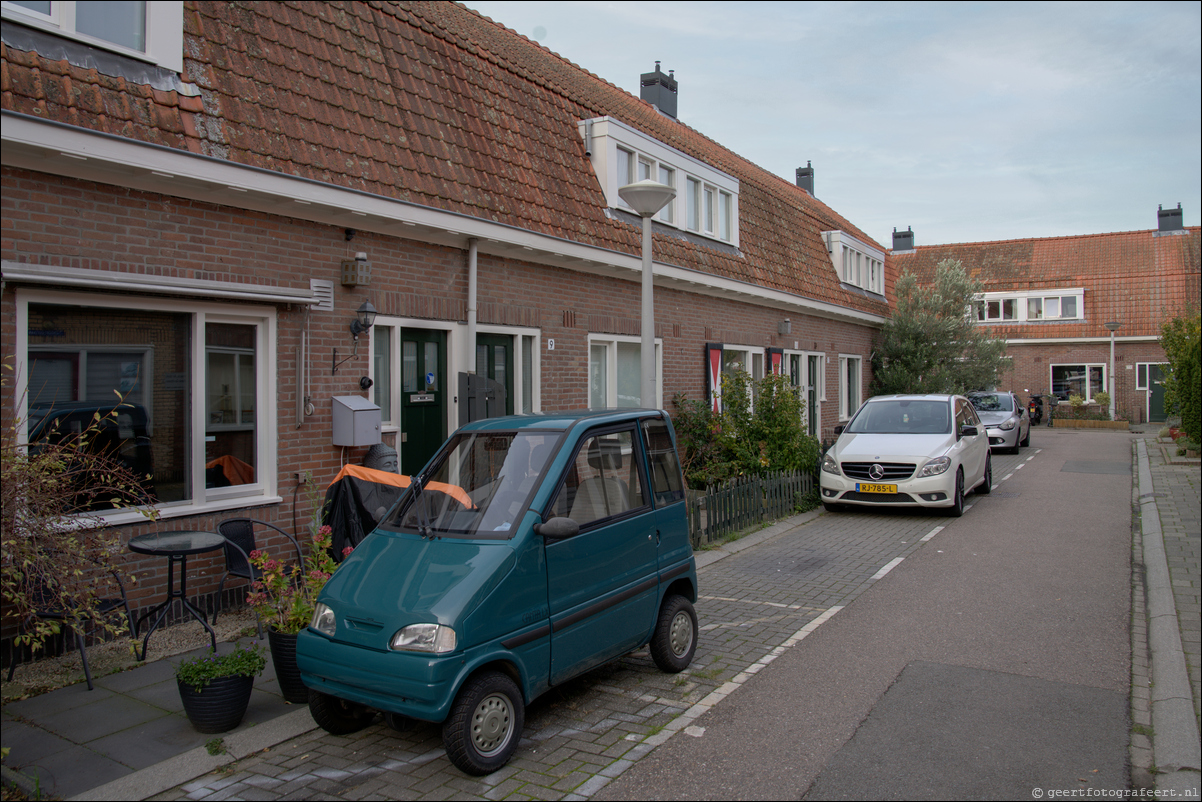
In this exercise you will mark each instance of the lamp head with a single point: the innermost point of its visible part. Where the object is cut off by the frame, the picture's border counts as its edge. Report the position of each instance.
(646, 197)
(365, 318)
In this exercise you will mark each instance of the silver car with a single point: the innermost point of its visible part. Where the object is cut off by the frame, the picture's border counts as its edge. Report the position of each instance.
(1005, 418)
(911, 450)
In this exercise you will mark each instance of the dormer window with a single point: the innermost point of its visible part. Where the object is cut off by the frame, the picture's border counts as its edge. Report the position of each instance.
(857, 264)
(148, 31)
(1029, 305)
(707, 200)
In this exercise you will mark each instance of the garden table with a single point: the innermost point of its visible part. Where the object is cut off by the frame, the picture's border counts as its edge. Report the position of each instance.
(176, 546)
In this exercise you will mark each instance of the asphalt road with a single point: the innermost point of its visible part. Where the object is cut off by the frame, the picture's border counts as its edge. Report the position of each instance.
(993, 663)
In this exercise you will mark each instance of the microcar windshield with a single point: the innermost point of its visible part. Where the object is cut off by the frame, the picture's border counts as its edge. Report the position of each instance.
(479, 485)
(902, 416)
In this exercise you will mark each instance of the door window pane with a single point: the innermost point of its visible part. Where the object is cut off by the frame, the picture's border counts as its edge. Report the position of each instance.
(430, 380)
(230, 392)
(603, 481)
(408, 366)
(666, 480)
(382, 368)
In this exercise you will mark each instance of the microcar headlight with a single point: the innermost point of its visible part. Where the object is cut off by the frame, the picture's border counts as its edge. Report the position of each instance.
(829, 465)
(434, 638)
(323, 620)
(1008, 425)
(935, 467)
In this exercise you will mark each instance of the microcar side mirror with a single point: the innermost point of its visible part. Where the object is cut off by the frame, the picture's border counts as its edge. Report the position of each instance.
(557, 528)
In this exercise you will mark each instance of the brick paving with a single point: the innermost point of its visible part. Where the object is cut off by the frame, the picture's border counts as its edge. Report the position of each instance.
(580, 736)
(1178, 486)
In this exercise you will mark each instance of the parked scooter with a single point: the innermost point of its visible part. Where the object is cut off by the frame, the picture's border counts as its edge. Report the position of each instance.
(1035, 409)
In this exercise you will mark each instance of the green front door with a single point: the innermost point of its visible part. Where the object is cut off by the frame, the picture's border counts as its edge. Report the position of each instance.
(423, 396)
(1156, 411)
(494, 359)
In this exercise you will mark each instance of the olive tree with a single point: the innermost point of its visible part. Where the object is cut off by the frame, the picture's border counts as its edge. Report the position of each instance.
(931, 343)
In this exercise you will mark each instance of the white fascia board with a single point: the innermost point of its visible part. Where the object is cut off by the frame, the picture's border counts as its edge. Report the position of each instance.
(1079, 340)
(1049, 291)
(107, 280)
(842, 237)
(74, 152)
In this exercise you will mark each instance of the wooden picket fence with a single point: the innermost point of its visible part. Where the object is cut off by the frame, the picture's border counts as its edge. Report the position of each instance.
(744, 501)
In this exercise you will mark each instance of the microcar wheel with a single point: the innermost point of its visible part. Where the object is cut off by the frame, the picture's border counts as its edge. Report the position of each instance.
(398, 722)
(957, 508)
(338, 716)
(485, 724)
(675, 637)
(986, 486)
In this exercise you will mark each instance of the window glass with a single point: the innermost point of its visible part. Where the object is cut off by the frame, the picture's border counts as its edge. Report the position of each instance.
(630, 384)
(382, 368)
(709, 210)
(40, 6)
(598, 376)
(1141, 376)
(625, 167)
(1034, 308)
(1082, 380)
(122, 22)
(1051, 307)
(408, 366)
(602, 482)
(527, 374)
(429, 382)
(1010, 309)
(724, 216)
(1068, 306)
(82, 358)
(230, 439)
(646, 168)
(666, 480)
(667, 176)
(693, 204)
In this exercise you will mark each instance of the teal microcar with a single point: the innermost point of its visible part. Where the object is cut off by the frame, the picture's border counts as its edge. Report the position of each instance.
(530, 550)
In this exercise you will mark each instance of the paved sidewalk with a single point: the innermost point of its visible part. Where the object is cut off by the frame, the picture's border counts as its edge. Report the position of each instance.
(129, 739)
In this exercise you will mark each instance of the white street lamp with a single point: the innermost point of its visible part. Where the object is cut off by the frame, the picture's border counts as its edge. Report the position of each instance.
(647, 197)
(1113, 327)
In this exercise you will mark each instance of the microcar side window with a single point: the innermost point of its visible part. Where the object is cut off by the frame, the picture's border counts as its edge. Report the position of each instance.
(666, 481)
(602, 482)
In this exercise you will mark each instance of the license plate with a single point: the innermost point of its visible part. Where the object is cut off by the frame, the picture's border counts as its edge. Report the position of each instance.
(867, 488)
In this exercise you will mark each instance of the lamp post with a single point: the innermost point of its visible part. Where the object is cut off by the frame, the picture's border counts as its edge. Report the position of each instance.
(1113, 326)
(647, 197)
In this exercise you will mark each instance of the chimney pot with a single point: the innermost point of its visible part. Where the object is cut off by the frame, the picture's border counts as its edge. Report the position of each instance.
(805, 178)
(903, 240)
(659, 90)
(1169, 219)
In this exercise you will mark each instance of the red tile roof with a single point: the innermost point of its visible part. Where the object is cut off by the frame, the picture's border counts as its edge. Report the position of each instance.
(1135, 277)
(431, 103)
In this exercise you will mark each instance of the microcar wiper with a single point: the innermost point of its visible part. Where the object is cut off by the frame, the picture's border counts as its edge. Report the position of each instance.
(421, 507)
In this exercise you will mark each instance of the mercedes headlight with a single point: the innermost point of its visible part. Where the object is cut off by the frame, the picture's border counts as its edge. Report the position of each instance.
(935, 467)
(432, 638)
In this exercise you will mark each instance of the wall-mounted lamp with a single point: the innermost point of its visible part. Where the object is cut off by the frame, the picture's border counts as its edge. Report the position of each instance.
(356, 271)
(365, 318)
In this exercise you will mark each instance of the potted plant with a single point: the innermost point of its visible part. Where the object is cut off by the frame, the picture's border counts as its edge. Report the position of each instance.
(215, 689)
(284, 599)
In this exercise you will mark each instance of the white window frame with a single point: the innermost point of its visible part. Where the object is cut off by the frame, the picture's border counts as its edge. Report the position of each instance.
(264, 318)
(611, 135)
(1087, 365)
(164, 30)
(610, 343)
(818, 380)
(856, 263)
(1144, 367)
(1022, 298)
(846, 410)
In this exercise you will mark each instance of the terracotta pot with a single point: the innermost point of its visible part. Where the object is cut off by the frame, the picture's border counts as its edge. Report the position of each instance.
(287, 673)
(220, 705)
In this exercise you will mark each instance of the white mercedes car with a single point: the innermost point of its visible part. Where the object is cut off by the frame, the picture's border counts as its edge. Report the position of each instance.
(911, 450)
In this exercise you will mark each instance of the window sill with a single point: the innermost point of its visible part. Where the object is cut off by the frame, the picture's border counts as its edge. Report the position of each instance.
(132, 517)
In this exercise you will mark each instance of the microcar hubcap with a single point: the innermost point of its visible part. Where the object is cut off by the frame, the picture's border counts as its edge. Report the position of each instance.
(682, 633)
(491, 724)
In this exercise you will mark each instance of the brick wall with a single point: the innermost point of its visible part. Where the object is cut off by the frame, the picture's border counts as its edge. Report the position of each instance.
(65, 222)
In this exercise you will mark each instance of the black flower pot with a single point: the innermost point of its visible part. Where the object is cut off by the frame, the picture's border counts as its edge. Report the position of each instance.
(218, 706)
(287, 673)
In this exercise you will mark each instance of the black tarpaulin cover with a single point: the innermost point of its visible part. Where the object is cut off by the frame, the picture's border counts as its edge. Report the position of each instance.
(356, 501)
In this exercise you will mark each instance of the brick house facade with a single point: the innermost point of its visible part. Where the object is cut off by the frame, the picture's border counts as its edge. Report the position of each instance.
(177, 215)
(1051, 299)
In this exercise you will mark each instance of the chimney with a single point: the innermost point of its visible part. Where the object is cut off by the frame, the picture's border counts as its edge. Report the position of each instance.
(1169, 219)
(660, 90)
(805, 178)
(903, 240)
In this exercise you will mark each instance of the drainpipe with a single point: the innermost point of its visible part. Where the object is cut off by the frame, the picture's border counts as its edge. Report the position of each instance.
(472, 242)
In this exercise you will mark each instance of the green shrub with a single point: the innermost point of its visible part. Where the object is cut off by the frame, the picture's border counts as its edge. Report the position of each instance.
(1181, 339)
(198, 672)
(760, 430)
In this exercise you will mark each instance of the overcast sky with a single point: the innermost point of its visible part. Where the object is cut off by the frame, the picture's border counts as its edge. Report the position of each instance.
(968, 121)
